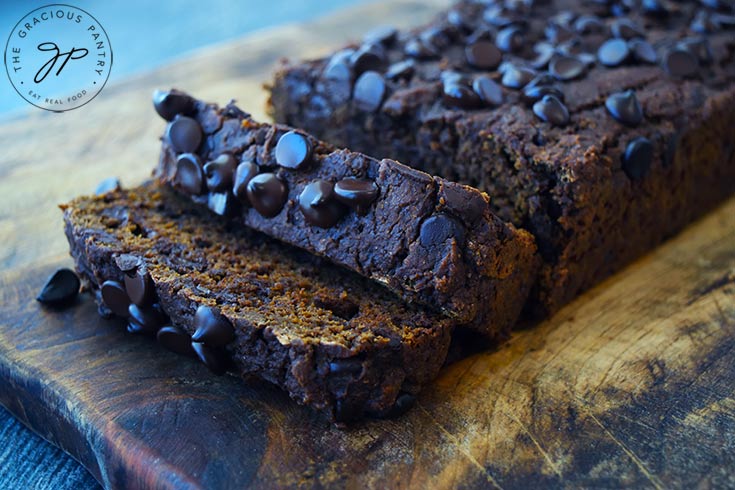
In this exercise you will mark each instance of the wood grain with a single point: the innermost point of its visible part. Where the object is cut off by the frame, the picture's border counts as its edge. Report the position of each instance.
(630, 385)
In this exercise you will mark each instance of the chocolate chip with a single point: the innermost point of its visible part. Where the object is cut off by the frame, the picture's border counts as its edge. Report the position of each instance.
(338, 71)
(642, 51)
(483, 54)
(510, 39)
(556, 33)
(532, 94)
(221, 203)
(60, 289)
(243, 174)
(169, 104)
(417, 49)
(626, 29)
(381, 35)
(403, 403)
(567, 67)
(115, 298)
(189, 176)
(368, 57)
(267, 194)
(544, 52)
(551, 110)
(184, 134)
(139, 287)
(293, 150)
(703, 23)
(213, 358)
(318, 204)
(542, 79)
(440, 228)
(402, 70)
(613, 52)
(145, 320)
(637, 158)
(488, 90)
(699, 47)
(175, 340)
(109, 184)
(219, 172)
(679, 62)
(212, 328)
(436, 37)
(589, 24)
(516, 77)
(358, 194)
(654, 8)
(625, 108)
(460, 96)
(369, 91)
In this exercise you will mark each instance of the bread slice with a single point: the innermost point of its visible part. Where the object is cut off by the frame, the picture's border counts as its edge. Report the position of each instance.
(333, 340)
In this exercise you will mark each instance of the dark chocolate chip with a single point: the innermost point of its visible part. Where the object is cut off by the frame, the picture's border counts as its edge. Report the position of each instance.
(435, 36)
(679, 62)
(589, 24)
(318, 204)
(175, 340)
(169, 104)
(419, 50)
(625, 108)
(109, 184)
(510, 39)
(460, 96)
(654, 8)
(483, 54)
(402, 70)
(403, 403)
(532, 94)
(221, 203)
(626, 29)
(60, 289)
(544, 52)
(369, 91)
(267, 194)
(642, 51)
(551, 110)
(212, 328)
(115, 298)
(139, 287)
(243, 174)
(381, 35)
(541, 79)
(358, 194)
(703, 23)
(699, 47)
(189, 176)
(338, 71)
(369, 57)
(517, 77)
(185, 134)
(145, 320)
(637, 158)
(213, 358)
(556, 33)
(724, 21)
(293, 150)
(219, 172)
(566, 67)
(488, 90)
(440, 228)
(614, 52)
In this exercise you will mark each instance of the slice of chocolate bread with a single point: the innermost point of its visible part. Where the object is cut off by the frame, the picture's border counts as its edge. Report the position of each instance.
(602, 127)
(432, 241)
(240, 301)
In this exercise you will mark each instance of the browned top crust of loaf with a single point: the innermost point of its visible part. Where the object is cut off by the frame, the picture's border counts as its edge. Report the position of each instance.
(432, 241)
(334, 340)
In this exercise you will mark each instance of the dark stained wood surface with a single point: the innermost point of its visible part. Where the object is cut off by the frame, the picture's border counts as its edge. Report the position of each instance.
(631, 385)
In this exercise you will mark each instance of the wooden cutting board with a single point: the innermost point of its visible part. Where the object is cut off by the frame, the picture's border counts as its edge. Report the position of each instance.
(631, 385)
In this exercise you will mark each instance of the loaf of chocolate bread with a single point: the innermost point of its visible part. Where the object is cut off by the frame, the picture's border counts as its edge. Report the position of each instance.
(432, 241)
(239, 301)
(603, 127)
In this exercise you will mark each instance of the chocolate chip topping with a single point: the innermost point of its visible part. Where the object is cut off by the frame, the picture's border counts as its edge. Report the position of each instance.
(184, 134)
(642, 51)
(483, 54)
(358, 194)
(60, 289)
(169, 104)
(458, 95)
(189, 176)
(109, 184)
(402, 70)
(175, 340)
(243, 175)
(145, 320)
(488, 90)
(212, 328)
(679, 62)
(626, 29)
(625, 108)
(510, 39)
(439, 229)
(419, 50)
(214, 359)
(637, 158)
(319, 205)
(567, 67)
(613, 52)
(369, 57)
(139, 287)
(219, 172)
(115, 298)
(267, 194)
(381, 35)
(369, 91)
(293, 150)
(221, 203)
(516, 77)
(551, 110)
(532, 94)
